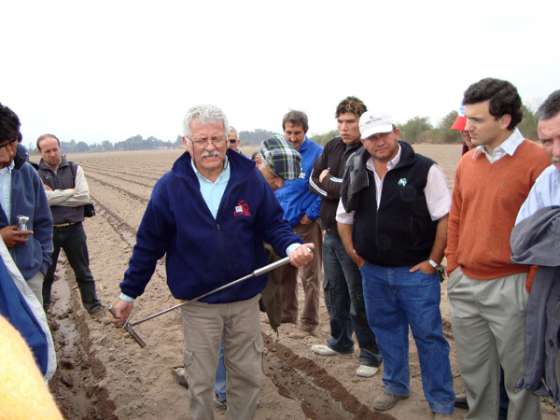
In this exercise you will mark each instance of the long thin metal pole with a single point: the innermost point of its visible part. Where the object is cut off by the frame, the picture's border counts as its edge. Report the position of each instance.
(256, 273)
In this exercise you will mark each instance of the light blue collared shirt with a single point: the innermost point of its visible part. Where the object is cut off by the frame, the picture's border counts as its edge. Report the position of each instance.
(6, 189)
(213, 191)
(508, 147)
(544, 193)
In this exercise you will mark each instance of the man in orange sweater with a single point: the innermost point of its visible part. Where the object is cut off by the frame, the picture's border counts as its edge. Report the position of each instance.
(487, 292)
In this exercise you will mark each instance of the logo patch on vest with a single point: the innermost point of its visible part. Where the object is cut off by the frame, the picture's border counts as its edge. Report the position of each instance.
(402, 182)
(242, 209)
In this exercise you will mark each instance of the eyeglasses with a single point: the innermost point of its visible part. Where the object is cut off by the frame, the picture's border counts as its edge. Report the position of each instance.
(215, 141)
(233, 140)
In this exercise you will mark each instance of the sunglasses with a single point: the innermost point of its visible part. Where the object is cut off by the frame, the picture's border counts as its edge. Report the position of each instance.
(233, 140)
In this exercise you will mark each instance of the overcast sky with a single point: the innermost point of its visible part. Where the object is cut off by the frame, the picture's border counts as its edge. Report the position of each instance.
(108, 70)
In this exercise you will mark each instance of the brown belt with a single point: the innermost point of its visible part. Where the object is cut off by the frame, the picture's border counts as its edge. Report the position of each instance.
(65, 225)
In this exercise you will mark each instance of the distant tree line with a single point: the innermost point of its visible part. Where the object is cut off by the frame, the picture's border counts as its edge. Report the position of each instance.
(255, 137)
(415, 130)
(132, 143)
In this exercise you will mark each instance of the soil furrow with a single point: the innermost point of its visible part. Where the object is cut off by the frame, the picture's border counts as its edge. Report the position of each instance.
(112, 175)
(137, 197)
(125, 231)
(101, 169)
(78, 382)
(321, 395)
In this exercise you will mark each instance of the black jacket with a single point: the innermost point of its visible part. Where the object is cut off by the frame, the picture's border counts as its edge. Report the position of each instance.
(334, 157)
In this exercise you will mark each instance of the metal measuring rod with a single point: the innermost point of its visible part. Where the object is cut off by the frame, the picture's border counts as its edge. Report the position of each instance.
(129, 326)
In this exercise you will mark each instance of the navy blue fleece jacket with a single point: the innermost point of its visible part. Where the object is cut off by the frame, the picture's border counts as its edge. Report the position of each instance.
(201, 252)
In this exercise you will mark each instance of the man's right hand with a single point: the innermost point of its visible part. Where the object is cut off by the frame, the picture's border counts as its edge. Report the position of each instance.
(121, 311)
(13, 237)
(358, 259)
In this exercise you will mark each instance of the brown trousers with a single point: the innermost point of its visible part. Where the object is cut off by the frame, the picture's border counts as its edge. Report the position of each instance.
(310, 276)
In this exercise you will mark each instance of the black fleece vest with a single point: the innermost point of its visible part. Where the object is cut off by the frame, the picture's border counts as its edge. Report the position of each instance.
(64, 179)
(400, 232)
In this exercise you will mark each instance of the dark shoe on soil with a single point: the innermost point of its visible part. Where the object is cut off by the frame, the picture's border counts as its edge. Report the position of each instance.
(461, 401)
(96, 310)
(387, 401)
(179, 375)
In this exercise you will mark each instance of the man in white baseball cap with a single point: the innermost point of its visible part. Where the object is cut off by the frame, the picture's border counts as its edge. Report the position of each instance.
(392, 220)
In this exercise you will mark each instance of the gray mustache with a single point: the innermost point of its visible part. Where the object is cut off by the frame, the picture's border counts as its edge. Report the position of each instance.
(210, 154)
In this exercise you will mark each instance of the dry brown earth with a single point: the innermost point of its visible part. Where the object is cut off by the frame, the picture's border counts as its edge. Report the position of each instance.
(105, 375)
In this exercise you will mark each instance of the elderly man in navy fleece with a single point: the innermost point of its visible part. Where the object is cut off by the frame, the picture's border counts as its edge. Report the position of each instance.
(210, 216)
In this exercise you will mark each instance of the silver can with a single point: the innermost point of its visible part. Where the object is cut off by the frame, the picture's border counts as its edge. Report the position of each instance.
(22, 222)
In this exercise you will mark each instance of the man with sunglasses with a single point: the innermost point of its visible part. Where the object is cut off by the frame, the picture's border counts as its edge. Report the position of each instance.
(233, 140)
(210, 216)
(22, 198)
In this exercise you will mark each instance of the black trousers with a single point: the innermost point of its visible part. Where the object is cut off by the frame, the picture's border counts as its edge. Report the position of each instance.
(72, 239)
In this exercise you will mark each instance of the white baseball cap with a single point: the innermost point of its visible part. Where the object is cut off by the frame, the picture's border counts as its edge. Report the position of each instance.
(372, 123)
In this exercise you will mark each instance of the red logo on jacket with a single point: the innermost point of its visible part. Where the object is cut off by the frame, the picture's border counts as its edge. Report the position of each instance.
(242, 209)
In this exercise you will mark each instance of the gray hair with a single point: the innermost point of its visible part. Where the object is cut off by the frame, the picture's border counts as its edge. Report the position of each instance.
(204, 114)
(550, 107)
(232, 129)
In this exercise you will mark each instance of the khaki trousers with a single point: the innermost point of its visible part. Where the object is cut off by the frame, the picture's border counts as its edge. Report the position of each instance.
(35, 283)
(310, 276)
(488, 318)
(238, 325)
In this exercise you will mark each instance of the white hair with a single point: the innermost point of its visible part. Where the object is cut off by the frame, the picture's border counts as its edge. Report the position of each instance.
(232, 130)
(204, 114)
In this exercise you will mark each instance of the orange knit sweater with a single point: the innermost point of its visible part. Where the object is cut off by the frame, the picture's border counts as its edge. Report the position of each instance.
(486, 200)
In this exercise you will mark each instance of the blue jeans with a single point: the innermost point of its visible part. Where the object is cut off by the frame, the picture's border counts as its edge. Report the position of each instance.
(344, 299)
(396, 298)
(220, 383)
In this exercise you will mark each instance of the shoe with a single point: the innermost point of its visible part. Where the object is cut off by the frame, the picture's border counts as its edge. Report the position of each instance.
(323, 350)
(96, 310)
(222, 405)
(441, 416)
(366, 371)
(461, 401)
(387, 401)
(180, 376)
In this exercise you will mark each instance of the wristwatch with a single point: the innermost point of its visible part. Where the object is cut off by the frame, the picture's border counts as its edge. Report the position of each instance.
(434, 264)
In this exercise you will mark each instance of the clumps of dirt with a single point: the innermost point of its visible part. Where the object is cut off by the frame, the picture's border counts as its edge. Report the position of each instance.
(77, 383)
(321, 395)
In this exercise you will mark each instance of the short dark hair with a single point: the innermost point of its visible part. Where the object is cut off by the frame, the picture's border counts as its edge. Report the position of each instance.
(9, 125)
(550, 107)
(501, 94)
(46, 136)
(296, 118)
(351, 105)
